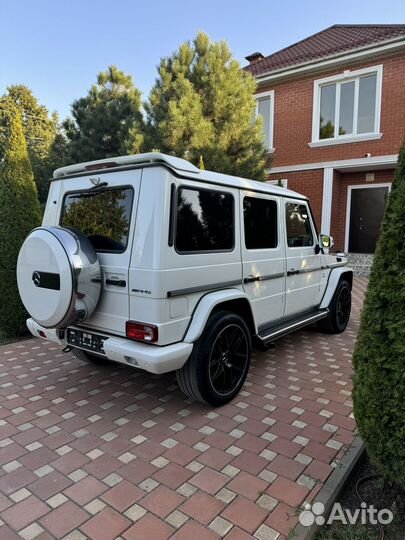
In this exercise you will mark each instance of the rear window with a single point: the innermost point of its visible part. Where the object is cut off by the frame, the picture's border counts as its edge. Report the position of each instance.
(103, 216)
(205, 221)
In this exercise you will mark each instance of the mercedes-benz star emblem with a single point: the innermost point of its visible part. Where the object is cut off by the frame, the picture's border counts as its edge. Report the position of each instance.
(36, 278)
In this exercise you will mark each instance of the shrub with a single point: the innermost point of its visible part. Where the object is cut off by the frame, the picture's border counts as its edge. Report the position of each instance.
(19, 213)
(379, 357)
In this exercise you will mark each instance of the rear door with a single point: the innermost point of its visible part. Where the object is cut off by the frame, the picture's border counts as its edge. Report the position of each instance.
(263, 258)
(303, 258)
(103, 207)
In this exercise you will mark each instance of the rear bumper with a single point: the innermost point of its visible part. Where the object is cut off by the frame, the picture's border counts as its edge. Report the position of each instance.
(147, 357)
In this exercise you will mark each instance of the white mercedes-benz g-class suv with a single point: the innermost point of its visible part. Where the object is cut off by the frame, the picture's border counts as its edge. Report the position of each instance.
(148, 261)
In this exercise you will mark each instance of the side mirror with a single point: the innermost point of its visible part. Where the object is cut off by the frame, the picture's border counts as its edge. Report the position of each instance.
(325, 241)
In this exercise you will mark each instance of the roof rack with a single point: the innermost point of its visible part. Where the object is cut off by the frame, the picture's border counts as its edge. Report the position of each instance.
(122, 161)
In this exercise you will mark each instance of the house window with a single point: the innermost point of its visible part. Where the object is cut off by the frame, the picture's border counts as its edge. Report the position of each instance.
(347, 107)
(265, 108)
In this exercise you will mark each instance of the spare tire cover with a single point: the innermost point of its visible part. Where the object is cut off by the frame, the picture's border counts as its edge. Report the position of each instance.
(58, 276)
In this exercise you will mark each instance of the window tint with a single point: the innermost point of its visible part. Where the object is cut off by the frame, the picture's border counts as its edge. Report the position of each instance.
(103, 216)
(205, 221)
(260, 219)
(299, 232)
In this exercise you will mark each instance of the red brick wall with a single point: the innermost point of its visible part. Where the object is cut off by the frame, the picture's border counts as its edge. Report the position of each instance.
(293, 117)
(339, 201)
(310, 184)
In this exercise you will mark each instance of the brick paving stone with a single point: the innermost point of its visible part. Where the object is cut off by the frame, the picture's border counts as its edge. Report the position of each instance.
(85, 448)
(286, 467)
(194, 531)
(202, 507)
(245, 514)
(287, 491)
(64, 519)
(161, 501)
(122, 496)
(22, 514)
(238, 534)
(85, 490)
(283, 518)
(147, 528)
(247, 485)
(106, 525)
(209, 480)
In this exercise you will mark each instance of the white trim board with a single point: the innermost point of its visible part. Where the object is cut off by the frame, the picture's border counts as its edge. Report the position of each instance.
(327, 200)
(349, 203)
(374, 161)
(332, 61)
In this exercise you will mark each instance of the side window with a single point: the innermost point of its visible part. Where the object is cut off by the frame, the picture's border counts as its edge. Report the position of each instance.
(260, 220)
(205, 221)
(298, 225)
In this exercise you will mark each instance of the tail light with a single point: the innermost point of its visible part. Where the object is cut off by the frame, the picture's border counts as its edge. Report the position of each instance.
(142, 332)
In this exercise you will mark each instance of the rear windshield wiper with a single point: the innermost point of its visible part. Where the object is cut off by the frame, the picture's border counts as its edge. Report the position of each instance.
(92, 192)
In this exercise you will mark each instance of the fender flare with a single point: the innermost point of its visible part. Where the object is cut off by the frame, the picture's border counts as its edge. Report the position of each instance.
(204, 309)
(334, 278)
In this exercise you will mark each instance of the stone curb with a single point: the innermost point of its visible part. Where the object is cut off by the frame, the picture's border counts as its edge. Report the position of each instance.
(332, 488)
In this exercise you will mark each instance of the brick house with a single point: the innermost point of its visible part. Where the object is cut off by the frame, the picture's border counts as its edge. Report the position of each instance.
(333, 107)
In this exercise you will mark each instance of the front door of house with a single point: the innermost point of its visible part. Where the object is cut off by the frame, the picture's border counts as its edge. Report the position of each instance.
(366, 213)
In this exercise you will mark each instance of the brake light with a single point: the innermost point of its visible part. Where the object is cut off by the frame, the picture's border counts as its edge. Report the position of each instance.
(142, 332)
(98, 166)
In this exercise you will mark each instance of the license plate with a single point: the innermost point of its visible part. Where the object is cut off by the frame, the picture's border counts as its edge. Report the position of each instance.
(86, 340)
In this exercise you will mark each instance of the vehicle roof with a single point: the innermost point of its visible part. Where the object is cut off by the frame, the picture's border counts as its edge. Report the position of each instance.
(181, 166)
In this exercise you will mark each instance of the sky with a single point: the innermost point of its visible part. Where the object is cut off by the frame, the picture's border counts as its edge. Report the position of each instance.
(57, 47)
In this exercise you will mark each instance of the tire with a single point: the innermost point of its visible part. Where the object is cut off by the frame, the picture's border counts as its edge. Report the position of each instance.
(219, 363)
(88, 356)
(339, 310)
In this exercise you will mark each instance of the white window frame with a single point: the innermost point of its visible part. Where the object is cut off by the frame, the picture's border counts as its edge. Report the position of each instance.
(270, 94)
(346, 76)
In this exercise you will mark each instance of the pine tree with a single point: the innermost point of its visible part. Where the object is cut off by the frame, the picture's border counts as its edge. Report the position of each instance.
(379, 357)
(108, 121)
(202, 104)
(19, 213)
(40, 130)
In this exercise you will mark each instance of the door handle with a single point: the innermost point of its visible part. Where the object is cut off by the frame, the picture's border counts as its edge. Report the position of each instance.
(116, 282)
(292, 272)
(251, 279)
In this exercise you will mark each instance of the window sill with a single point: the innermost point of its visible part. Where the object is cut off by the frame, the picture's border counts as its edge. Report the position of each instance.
(270, 150)
(344, 140)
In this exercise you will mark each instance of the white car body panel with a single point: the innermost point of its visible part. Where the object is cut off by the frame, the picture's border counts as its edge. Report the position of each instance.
(177, 292)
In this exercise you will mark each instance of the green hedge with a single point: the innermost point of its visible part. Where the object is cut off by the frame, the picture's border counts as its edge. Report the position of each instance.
(379, 357)
(19, 213)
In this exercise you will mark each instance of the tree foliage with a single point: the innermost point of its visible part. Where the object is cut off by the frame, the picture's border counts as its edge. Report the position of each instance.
(202, 108)
(379, 357)
(19, 213)
(40, 130)
(108, 121)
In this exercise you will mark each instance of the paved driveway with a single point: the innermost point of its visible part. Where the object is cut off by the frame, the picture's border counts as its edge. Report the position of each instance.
(108, 452)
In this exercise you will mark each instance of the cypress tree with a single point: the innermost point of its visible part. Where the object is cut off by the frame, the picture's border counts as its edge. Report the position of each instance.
(19, 213)
(379, 357)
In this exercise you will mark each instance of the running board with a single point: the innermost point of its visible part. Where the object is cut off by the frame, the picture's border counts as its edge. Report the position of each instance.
(281, 330)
